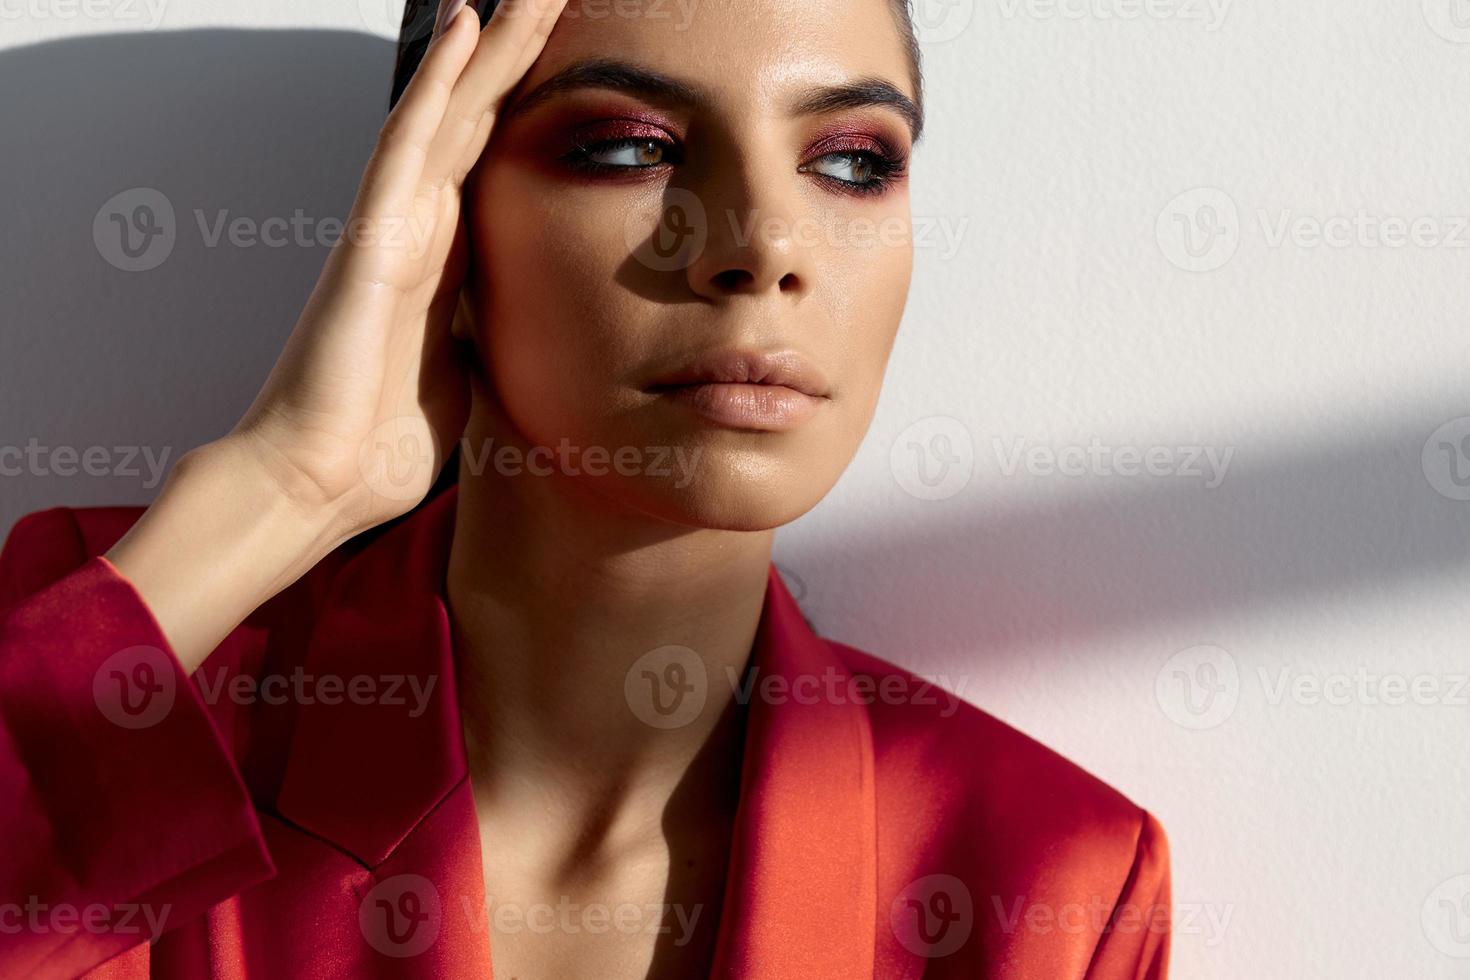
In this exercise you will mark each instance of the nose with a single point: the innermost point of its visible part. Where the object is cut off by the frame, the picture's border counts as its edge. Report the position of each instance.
(753, 212)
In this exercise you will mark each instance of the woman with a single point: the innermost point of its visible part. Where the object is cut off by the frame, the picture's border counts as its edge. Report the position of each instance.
(560, 715)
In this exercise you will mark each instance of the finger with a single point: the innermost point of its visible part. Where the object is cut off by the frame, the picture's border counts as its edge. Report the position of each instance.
(476, 144)
(448, 10)
(509, 45)
(404, 145)
(528, 24)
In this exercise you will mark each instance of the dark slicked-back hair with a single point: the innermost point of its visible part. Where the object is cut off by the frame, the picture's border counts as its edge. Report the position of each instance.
(415, 34)
(418, 29)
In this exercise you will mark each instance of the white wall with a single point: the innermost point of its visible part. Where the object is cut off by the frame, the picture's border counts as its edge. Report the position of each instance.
(1070, 145)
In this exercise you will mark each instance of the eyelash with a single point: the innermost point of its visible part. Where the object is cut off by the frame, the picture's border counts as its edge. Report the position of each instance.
(886, 168)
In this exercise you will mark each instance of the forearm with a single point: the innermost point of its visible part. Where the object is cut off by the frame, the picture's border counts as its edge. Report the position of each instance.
(221, 539)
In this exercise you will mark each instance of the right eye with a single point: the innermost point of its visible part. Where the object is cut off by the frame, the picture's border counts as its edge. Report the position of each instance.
(631, 153)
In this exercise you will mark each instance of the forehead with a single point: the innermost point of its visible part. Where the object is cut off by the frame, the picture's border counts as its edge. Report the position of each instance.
(747, 54)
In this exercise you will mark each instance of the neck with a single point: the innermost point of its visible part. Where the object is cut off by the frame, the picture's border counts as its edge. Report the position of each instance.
(555, 593)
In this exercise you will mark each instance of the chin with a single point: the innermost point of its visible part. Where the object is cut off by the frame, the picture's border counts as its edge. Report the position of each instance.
(678, 469)
(741, 506)
(730, 490)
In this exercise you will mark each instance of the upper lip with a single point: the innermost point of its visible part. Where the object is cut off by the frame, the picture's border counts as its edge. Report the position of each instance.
(733, 366)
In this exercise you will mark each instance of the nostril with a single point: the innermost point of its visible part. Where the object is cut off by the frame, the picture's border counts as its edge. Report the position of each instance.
(733, 279)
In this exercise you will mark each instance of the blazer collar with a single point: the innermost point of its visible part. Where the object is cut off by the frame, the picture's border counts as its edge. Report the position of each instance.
(365, 767)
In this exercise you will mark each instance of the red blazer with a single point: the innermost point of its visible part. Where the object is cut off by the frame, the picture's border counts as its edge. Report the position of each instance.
(152, 825)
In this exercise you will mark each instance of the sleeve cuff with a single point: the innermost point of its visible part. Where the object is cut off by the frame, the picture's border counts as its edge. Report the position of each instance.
(117, 788)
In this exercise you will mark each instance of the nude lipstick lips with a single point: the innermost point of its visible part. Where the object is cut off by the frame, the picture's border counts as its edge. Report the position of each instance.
(773, 392)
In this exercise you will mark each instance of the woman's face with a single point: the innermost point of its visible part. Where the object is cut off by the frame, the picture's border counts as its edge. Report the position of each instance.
(636, 245)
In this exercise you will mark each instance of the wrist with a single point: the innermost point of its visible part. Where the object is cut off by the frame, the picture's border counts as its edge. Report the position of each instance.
(254, 512)
(220, 540)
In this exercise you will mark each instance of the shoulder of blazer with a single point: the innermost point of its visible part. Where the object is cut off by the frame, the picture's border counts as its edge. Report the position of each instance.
(964, 774)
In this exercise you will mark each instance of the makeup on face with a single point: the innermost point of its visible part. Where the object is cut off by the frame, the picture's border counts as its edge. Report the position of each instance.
(612, 121)
(745, 389)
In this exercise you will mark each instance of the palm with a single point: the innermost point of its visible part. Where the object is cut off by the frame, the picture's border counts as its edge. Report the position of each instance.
(368, 396)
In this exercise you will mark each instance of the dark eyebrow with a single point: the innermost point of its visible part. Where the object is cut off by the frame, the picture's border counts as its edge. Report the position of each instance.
(861, 94)
(623, 76)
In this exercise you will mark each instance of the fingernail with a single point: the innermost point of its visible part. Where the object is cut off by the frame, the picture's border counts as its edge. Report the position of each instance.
(447, 11)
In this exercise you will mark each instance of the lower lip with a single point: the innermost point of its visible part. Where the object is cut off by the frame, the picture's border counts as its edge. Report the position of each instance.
(770, 408)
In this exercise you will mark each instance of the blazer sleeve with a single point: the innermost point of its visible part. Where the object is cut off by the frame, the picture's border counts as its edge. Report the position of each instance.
(1135, 942)
(122, 811)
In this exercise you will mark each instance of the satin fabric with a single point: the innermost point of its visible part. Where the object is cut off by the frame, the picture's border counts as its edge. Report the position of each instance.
(887, 830)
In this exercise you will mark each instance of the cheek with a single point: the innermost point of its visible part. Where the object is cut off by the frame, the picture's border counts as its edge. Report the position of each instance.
(870, 285)
(546, 265)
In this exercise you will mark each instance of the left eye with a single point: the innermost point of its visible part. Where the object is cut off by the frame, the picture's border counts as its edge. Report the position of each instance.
(854, 168)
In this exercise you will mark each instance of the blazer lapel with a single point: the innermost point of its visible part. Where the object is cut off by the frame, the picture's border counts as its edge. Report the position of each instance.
(800, 896)
(365, 766)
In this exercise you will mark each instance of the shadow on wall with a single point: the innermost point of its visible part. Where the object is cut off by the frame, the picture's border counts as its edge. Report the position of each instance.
(1297, 520)
(156, 342)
